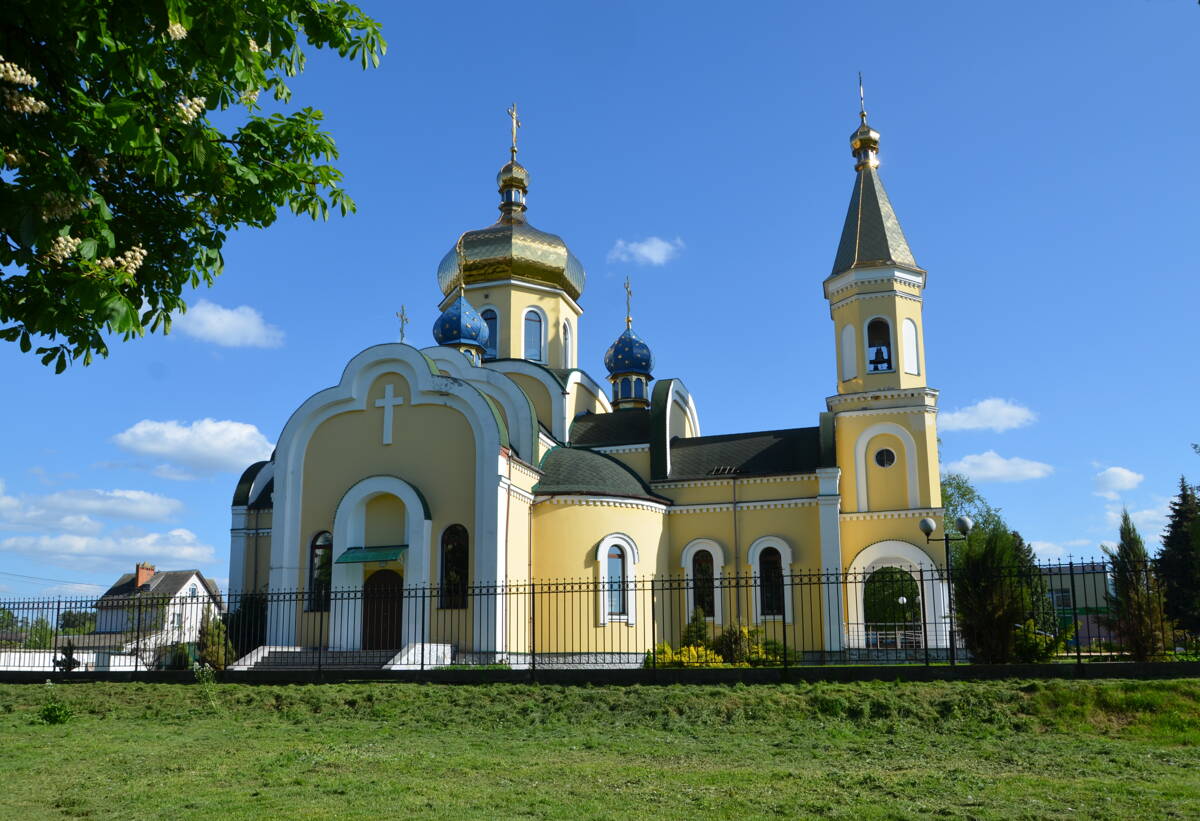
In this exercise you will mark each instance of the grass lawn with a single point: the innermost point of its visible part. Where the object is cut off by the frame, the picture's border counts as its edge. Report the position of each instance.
(1011, 749)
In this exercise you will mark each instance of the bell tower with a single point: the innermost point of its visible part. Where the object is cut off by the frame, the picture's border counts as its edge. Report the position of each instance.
(884, 411)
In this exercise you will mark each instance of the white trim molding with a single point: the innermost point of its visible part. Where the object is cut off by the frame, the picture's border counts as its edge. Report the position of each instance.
(715, 550)
(645, 448)
(910, 461)
(630, 552)
(604, 501)
(754, 557)
(749, 480)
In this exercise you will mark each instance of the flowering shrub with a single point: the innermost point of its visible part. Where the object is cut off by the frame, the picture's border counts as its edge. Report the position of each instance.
(693, 655)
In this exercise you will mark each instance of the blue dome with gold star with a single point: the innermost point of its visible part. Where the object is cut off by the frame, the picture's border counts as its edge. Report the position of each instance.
(460, 324)
(629, 354)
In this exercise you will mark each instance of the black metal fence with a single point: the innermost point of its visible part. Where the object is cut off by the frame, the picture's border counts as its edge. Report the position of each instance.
(897, 614)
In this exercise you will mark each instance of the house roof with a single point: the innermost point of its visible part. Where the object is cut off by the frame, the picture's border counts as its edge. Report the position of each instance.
(622, 427)
(794, 450)
(163, 584)
(568, 470)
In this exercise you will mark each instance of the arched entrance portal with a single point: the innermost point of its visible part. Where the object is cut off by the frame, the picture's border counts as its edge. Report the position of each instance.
(382, 615)
(892, 609)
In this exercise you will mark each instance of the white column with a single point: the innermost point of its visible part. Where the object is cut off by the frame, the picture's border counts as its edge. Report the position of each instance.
(237, 552)
(829, 505)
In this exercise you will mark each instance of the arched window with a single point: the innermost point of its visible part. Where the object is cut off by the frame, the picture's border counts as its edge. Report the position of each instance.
(533, 336)
(770, 578)
(849, 354)
(639, 389)
(566, 343)
(625, 388)
(616, 556)
(455, 559)
(493, 326)
(912, 362)
(703, 586)
(879, 346)
(320, 567)
(617, 598)
(770, 558)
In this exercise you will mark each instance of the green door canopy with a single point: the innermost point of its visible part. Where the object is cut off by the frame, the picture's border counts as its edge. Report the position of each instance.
(359, 555)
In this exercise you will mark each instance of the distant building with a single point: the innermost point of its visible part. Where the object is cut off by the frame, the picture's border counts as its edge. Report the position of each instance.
(1081, 592)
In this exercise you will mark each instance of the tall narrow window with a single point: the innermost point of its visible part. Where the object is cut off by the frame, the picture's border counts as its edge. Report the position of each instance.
(455, 558)
(320, 568)
(879, 346)
(849, 354)
(702, 581)
(616, 582)
(533, 336)
(912, 362)
(493, 326)
(566, 343)
(625, 388)
(770, 580)
(639, 389)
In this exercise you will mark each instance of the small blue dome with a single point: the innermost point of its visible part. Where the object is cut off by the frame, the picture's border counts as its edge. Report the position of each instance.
(460, 324)
(629, 354)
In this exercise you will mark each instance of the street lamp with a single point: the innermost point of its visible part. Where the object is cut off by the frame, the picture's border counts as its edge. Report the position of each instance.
(963, 525)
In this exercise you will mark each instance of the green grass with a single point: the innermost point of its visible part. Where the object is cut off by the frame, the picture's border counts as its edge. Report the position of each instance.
(1110, 749)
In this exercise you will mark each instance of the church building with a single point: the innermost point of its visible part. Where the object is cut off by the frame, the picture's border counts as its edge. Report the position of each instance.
(490, 459)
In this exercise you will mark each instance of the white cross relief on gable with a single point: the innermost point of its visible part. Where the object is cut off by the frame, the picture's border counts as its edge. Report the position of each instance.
(388, 402)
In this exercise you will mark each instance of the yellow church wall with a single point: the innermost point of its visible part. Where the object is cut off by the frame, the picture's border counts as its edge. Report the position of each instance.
(512, 301)
(858, 314)
(887, 487)
(848, 430)
(538, 395)
(583, 400)
(638, 461)
(861, 533)
(747, 491)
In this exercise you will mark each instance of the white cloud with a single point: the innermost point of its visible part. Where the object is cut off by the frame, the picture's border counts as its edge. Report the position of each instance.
(240, 327)
(994, 414)
(649, 251)
(204, 446)
(1047, 550)
(991, 466)
(1150, 521)
(73, 589)
(176, 546)
(1111, 481)
(119, 504)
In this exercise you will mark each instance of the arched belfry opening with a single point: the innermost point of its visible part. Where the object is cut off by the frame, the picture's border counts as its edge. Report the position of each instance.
(879, 346)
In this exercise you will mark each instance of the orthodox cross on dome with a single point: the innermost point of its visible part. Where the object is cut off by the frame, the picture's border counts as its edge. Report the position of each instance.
(628, 304)
(862, 100)
(402, 315)
(388, 402)
(516, 123)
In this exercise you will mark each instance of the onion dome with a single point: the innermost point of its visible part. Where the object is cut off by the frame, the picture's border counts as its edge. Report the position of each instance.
(512, 248)
(461, 325)
(629, 354)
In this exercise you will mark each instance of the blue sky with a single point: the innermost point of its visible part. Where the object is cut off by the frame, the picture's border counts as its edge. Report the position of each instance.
(1038, 156)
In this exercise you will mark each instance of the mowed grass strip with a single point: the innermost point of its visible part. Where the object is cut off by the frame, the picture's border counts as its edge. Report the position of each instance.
(1008, 749)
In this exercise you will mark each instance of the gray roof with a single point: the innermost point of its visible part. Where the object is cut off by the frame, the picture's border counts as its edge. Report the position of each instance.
(622, 427)
(163, 584)
(579, 471)
(795, 450)
(872, 235)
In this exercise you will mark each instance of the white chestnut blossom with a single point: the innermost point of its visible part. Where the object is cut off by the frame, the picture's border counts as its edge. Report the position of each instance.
(176, 31)
(63, 248)
(250, 97)
(189, 108)
(129, 261)
(253, 46)
(21, 103)
(57, 206)
(13, 73)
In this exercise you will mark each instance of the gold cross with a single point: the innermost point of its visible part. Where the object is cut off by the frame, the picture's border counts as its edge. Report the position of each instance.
(862, 100)
(516, 123)
(628, 304)
(402, 315)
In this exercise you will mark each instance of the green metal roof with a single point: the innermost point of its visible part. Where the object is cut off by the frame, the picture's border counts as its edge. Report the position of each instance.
(622, 427)
(795, 450)
(871, 235)
(569, 470)
(360, 555)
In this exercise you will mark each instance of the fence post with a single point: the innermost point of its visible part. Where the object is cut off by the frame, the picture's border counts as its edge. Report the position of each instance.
(532, 629)
(924, 620)
(653, 626)
(950, 605)
(54, 633)
(137, 646)
(425, 596)
(1075, 614)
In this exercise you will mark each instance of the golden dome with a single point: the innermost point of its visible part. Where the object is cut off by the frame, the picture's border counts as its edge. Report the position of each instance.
(512, 248)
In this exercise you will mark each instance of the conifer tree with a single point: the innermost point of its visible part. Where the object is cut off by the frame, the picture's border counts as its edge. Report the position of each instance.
(1179, 559)
(1135, 605)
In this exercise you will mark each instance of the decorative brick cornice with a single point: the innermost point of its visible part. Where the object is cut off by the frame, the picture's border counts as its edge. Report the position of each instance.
(892, 514)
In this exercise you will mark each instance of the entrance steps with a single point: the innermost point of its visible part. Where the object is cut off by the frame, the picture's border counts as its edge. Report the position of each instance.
(412, 657)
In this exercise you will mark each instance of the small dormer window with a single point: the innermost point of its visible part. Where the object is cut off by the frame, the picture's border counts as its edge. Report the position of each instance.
(193, 591)
(879, 346)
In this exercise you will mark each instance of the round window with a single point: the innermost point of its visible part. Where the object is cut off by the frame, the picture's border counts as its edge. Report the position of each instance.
(885, 458)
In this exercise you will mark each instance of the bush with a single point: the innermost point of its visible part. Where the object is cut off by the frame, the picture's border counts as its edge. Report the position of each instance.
(1032, 646)
(695, 633)
(736, 644)
(215, 648)
(694, 655)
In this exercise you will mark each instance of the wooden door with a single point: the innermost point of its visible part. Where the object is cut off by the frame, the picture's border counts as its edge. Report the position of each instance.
(382, 610)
